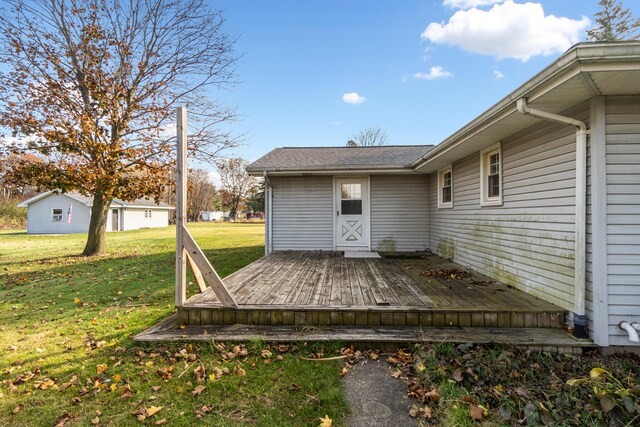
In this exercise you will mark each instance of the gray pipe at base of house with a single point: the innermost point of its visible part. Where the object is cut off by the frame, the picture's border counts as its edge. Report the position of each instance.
(580, 326)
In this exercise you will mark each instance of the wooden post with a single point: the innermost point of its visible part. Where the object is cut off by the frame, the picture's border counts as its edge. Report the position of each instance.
(181, 206)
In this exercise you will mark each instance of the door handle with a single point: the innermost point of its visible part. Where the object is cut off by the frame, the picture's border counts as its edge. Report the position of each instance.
(338, 213)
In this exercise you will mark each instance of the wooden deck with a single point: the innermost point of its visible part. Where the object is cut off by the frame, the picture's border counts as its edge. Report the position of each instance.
(324, 288)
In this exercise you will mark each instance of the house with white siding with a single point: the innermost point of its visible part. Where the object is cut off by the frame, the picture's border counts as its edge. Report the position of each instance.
(541, 192)
(67, 213)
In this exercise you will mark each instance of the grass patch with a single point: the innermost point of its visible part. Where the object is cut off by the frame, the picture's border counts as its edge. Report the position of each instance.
(66, 355)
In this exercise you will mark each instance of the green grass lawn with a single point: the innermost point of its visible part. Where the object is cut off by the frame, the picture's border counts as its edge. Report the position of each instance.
(67, 357)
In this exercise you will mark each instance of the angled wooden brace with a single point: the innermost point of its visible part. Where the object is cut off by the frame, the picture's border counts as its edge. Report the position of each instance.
(206, 270)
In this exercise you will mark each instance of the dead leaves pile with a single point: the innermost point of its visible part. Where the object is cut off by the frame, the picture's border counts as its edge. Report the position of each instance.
(446, 273)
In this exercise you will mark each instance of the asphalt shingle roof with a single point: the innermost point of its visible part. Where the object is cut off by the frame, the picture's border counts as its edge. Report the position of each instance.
(136, 203)
(319, 158)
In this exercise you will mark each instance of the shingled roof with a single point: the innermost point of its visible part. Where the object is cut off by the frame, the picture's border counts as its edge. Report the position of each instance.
(88, 201)
(339, 158)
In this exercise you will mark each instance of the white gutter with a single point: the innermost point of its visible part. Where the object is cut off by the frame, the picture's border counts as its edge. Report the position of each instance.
(581, 202)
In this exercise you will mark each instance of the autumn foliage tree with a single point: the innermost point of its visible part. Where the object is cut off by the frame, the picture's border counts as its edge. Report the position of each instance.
(236, 184)
(91, 87)
(201, 194)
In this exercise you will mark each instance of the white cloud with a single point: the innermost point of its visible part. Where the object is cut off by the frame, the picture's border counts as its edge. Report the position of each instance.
(353, 98)
(498, 74)
(436, 72)
(336, 123)
(468, 4)
(508, 30)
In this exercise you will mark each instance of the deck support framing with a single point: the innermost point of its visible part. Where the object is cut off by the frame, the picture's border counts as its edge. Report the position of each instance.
(187, 250)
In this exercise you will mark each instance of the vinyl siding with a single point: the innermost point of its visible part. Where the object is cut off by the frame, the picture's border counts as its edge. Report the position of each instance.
(623, 213)
(39, 216)
(302, 213)
(134, 218)
(399, 212)
(528, 242)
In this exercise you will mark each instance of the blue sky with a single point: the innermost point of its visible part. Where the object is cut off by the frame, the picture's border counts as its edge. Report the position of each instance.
(300, 60)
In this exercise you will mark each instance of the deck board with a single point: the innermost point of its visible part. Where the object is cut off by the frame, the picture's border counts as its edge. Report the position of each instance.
(327, 279)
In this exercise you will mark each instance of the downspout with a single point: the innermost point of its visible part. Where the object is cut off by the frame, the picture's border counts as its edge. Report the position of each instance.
(631, 329)
(579, 315)
(267, 214)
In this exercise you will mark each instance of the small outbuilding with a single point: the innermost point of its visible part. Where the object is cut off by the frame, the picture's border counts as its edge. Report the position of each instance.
(67, 213)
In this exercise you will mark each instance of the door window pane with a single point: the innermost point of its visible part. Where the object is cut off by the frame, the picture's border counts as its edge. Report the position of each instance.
(351, 191)
(351, 207)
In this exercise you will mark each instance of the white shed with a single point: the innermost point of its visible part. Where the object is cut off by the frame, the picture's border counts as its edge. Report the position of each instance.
(66, 213)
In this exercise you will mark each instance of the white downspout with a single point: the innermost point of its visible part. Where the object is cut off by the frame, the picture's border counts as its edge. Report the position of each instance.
(631, 330)
(267, 214)
(580, 319)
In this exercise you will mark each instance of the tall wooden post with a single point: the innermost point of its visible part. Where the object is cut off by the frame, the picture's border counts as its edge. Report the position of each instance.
(181, 206)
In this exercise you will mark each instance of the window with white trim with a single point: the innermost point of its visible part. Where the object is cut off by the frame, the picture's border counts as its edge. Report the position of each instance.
(147, 213)
(445, 188)
(56, 215)
(491, 176)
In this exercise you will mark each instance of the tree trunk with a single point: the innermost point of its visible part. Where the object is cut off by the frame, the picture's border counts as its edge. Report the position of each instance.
(96, 239)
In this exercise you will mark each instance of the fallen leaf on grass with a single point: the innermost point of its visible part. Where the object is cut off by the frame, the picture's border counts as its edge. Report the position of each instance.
(477, 413)
(414, 411)
(199, 389)
(240, 372)
(607, 403)
(425, 412)
(148, 412)
(161, 422)
(598, 372)
(65, 419)
(326, 421)
(165, 373)
(101, 368)
(95, 421)
(46, 384)
(16, 409)
(200, 373)
(522, 392)
(202, 411)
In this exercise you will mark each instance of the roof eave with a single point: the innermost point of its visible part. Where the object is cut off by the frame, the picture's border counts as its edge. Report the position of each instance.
(576, 56)
(329, 170)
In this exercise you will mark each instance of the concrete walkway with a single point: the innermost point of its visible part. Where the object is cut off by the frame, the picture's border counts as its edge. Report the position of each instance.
(376, 398)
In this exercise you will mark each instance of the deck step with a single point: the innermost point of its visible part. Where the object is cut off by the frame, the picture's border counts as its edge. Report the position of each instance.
(370, 316)
(544, 339)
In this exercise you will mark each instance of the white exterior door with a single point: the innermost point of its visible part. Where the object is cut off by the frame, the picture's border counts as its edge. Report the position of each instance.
(352, 214)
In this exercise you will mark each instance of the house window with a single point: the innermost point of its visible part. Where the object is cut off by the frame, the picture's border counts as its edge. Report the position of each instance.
(445, 188)
(56, 215)
(491, 176)
(147, 213)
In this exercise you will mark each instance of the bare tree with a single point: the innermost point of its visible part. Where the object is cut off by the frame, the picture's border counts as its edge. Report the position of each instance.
(368, 137)
(236, 183)
(614, 23)
(201, 194)
(91, 86)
